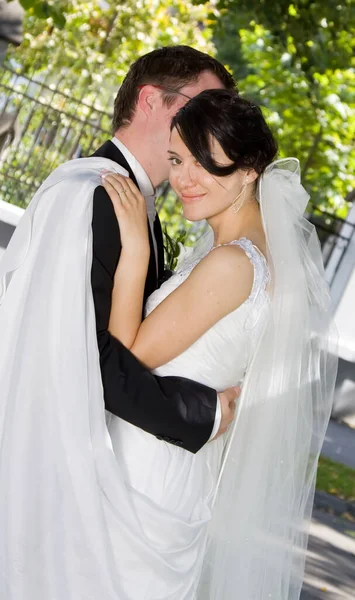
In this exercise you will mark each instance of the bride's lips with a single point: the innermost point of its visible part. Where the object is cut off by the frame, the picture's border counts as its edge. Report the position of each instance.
(190, 198)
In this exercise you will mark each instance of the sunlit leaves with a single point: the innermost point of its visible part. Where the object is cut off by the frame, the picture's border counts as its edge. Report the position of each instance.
(297, 60)
(45, 9)
(101, 39)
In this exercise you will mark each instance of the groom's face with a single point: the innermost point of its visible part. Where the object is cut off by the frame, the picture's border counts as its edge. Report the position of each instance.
(206, 81)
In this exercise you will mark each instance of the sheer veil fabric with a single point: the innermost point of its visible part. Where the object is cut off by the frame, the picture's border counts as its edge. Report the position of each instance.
(63, 497)
(267, 479)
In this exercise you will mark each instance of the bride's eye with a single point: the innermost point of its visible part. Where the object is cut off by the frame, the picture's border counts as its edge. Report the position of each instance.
(174, 161)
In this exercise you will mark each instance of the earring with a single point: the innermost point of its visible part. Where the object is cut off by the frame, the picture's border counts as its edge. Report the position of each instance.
(234, 206)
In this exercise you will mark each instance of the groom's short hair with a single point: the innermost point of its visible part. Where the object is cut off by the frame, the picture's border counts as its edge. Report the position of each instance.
(171, 67)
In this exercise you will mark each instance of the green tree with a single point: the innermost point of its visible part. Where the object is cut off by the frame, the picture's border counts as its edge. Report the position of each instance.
(78, 70)
(297, 60)
(101, 39)
(45, 9)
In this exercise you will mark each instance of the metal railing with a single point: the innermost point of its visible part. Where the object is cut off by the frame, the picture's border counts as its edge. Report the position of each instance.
(41, 126)
(335, 235)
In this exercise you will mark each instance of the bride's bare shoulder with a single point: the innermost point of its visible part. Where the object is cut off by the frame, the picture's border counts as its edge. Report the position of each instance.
(227, 269)
(228, 258)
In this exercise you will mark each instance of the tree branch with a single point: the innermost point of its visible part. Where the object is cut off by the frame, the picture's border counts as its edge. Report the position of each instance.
(309, 158)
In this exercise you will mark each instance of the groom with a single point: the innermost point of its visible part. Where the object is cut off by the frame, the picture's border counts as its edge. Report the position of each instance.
(174, 409)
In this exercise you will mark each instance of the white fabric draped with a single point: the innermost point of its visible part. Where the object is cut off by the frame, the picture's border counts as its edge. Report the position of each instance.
(61, 491)
(64, 502)
(267, 481)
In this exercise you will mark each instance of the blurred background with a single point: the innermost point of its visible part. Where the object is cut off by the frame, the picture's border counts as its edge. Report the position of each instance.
(61, 63)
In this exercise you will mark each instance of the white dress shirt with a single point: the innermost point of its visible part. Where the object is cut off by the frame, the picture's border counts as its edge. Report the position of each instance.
(147, 189)
(145, 186)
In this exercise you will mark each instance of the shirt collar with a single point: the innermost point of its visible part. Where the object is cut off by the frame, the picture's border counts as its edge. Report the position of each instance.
(144, 183)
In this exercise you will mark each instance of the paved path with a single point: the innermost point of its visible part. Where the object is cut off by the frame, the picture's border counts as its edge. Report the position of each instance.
(330, 568)
(339, 444)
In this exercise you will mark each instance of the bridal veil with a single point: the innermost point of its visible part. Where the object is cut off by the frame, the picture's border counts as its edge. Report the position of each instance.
(259, 529)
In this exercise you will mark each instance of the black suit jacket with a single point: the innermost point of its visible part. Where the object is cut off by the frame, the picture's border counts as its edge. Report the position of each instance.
(174, 409)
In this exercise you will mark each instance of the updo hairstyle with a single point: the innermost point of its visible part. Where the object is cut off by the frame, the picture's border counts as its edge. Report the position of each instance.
(236, 123)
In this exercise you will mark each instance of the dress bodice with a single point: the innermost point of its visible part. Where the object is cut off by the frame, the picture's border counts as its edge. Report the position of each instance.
(219, 358)
(171, 490)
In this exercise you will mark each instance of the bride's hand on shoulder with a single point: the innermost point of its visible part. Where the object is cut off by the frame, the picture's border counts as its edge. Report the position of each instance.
(131, 212)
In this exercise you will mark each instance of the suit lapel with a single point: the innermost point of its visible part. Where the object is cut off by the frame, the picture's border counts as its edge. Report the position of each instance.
(109, 150)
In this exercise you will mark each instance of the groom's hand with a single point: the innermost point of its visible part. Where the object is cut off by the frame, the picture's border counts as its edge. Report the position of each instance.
(227, 400)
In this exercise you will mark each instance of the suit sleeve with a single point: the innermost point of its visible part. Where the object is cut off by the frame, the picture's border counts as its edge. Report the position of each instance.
(174, 409)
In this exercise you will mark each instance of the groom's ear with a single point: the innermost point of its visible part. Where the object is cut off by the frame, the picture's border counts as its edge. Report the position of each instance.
(148, 99)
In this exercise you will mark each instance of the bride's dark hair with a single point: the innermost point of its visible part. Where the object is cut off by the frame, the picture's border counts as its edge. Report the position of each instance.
(236, 123)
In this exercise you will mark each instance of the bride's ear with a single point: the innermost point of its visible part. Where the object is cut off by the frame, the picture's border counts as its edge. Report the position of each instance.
(251, 176)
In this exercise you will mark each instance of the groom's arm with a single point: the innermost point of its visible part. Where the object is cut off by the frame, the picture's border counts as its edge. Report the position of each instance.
(174, 409)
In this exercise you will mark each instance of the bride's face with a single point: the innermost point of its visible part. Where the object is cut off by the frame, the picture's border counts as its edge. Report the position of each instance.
(203, 195)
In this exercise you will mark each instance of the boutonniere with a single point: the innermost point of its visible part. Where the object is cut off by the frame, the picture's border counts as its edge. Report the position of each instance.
(172, 248)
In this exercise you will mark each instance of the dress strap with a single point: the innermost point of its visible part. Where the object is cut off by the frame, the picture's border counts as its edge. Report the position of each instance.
(243, 243)
(259, 262)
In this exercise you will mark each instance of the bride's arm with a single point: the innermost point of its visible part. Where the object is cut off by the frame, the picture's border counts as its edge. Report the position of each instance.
(218, 285)
(131, 272)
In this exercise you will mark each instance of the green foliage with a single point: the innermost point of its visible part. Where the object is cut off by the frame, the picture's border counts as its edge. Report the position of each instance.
(43, 9)
(297, 61)
(85, 62)
(172, 248)
(314, 122)
(101, 39)
(320, 33)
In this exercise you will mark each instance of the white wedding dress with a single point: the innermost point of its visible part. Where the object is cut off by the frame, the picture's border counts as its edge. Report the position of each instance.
(171, 489)
(92, 508)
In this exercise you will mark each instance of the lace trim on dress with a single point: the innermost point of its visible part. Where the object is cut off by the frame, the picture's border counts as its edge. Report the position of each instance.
(258, 260)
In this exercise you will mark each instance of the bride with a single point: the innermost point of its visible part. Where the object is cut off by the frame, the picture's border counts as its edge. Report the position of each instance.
(100, 509)
(207, 322)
